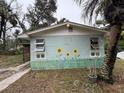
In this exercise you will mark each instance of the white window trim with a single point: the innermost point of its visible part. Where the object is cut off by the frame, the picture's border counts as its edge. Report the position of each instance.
(40, 43)
(40, 55)
(95, 50)
(95, 53)
(40, 50)
(39, 38)
(43, 43)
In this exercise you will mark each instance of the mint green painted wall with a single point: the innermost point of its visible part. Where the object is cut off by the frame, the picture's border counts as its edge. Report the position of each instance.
(68, 44)
(66, 64)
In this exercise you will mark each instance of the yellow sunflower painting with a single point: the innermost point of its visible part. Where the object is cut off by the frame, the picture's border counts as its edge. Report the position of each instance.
(75, 51)
(67, 54)
(59, 51)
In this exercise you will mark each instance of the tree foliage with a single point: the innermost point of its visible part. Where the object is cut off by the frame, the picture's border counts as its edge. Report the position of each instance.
(41, 14)
(9, 19)
(111, 10)
(6, 16)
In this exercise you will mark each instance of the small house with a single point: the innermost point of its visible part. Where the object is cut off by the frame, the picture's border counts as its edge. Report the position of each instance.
(66, 45)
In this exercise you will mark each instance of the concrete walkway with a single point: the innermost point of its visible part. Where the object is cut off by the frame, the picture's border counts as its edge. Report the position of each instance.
(8, 81)
(17, 68)
(7, 72)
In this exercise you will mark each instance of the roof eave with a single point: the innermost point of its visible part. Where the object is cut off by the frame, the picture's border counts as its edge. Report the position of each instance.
(65, 23)
(23, 36)
(46, 28)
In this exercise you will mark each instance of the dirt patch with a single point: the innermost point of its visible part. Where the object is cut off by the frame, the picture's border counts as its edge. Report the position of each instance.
(66, 81)
(61, 81)
(55, 81)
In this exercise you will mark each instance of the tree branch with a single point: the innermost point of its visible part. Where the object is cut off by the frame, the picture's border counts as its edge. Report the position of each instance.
(12, 27)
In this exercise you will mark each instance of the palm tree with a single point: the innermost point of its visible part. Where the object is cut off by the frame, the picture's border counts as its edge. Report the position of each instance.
(113, 12)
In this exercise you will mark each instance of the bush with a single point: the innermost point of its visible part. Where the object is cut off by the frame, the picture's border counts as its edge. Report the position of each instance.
(19, 51)
(121, 44)
(12, 52)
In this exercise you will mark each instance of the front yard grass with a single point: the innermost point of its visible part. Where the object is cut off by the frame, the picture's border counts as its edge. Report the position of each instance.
(66, 81)
(10, 60)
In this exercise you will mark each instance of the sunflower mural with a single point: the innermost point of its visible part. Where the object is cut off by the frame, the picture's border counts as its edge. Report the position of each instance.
(59, 51)
(67, 54)
(75, 52)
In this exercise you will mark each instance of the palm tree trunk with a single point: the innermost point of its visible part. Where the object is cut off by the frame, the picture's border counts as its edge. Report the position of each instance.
(114, 36)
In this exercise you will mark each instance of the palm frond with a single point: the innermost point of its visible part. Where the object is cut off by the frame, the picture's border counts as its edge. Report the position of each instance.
(93, 7)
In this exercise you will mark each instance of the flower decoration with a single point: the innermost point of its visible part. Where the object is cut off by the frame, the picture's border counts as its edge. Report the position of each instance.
(75, 51)
(59, 51)
(67, 54)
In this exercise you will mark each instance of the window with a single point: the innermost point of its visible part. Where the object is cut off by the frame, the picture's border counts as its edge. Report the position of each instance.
(94, 46)
(40, 45)
(40, 55)
(40, 48)
(39, 40)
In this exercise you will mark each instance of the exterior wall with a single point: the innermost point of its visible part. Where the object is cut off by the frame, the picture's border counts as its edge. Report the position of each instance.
(67, 44)
(67, 64)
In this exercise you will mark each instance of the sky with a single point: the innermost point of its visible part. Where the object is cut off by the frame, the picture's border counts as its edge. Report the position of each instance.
(65, 9)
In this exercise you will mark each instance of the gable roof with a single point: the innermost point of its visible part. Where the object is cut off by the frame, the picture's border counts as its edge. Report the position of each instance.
(65, 24)
(27, 34)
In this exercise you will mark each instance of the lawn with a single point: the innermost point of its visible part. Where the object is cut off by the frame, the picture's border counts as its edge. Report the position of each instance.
(10, 60)
(66, 81)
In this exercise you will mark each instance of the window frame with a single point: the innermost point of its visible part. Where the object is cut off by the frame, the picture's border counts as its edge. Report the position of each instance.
(96, 50)
(40, 53)
(40, 50)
